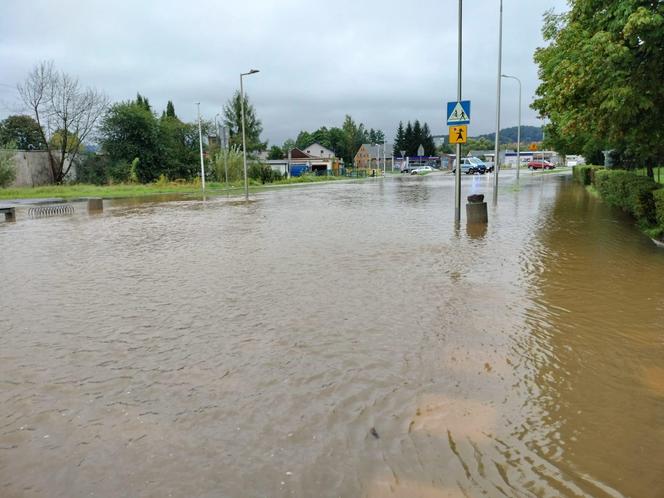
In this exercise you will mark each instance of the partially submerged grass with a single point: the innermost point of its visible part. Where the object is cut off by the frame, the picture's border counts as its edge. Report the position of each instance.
(137, 190)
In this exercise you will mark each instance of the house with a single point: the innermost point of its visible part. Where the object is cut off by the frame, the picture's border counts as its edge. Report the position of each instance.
(300, 162)
(373, 155)
(317, 150)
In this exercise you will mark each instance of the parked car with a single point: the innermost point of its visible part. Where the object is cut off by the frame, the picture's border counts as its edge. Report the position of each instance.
(472, 165)
(540, 164)
(422, 170)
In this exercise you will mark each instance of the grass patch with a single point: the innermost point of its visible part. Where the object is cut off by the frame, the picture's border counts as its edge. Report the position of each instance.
(137, 190)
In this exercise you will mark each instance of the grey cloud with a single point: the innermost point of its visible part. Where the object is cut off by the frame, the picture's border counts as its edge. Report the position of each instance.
(380, 61)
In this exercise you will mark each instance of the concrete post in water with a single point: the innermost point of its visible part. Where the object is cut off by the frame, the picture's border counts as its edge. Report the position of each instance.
(476, 211)
(10, 214)
(95, 205)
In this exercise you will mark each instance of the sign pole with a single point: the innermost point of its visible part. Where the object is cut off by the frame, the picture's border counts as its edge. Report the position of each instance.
(457, 176)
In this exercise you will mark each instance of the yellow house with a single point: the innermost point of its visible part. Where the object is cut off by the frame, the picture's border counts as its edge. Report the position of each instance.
(366, 156)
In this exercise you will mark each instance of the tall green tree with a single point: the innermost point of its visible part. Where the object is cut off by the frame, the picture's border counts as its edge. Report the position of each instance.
(399, 140)
(418, 138)
(601, 76)
(304, 139)
(170, 110)
(23, 131)
(427, 141)
(409, 140)
(354, 136)
(275, 153)
(130, 131)
(253, 125)
(178, 142)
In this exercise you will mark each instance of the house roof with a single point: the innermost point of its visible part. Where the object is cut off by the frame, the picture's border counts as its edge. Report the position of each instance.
(318, 146)
(299, 154)
(375, 150)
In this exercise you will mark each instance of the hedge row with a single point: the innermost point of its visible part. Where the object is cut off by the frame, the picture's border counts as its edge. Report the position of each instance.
(584, 174)
(659, 207)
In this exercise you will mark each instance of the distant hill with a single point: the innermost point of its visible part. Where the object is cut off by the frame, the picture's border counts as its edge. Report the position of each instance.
(508, 135)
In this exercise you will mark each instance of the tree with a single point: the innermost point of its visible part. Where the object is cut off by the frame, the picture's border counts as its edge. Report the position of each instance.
(170, 110)
(304, 139)
(275, 153)
(253, 126)
(59, 99)
(179, 148)
(601, 77)
(73, 142)
(427, 141)
(409, 141)
(353, 137)
(417, 138)
(23, 131)
(288, 145)
(399, 141)
(129, 131)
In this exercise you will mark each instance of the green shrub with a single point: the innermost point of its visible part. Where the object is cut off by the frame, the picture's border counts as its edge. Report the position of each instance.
(659, 206)
(584, 174)
(7, 167)
(93, 169)
(263, 172)
(628, 191)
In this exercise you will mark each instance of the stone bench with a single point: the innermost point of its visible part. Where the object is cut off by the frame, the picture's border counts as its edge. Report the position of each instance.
(10, 213)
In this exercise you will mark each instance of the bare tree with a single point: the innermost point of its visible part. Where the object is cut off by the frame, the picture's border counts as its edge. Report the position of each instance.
(59, 104)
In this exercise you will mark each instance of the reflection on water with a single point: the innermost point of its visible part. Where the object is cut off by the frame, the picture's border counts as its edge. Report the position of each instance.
(339, 340)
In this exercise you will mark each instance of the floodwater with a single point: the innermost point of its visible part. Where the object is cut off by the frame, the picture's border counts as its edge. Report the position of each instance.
(338, 340)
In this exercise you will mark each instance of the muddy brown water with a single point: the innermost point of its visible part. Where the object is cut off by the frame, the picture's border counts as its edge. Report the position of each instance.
(334, 340)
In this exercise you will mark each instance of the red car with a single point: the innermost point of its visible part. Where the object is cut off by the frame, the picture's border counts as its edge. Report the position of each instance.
(540, 165)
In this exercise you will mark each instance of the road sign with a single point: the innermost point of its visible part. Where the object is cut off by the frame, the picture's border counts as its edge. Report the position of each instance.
(458, 113)
(458, 134)
(533, 147)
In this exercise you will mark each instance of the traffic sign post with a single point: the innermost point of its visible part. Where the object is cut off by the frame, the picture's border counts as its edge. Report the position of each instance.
(458, 113)
(458, 134)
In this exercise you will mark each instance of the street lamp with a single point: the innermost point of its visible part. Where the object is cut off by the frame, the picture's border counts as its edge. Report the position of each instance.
(496, 158)
(518, 133)
(244, 140)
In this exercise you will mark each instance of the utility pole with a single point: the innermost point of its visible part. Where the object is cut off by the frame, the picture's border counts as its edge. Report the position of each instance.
(200, 143)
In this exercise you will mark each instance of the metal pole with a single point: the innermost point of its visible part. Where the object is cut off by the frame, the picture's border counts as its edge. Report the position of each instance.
(384, 159)
(225, 132)
(457, 185)
(244, 141)
(200, 143)
(496, 150)
(518, 133)
(518, 137)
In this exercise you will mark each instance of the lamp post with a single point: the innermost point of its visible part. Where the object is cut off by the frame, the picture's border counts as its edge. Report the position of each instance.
(200, 143)
(496, 159)
(244, 140)
(518, 133)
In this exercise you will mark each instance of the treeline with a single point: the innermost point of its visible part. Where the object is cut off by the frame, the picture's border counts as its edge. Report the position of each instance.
(344, 141)
(529, 134)
(410, 138)
(138, 146)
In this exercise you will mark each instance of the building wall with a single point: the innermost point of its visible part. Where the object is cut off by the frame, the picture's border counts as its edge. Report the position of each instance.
(33, 170)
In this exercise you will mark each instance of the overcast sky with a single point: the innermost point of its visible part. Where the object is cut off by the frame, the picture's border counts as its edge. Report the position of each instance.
(379, 61)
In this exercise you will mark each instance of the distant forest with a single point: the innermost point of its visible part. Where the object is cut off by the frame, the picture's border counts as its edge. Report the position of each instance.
(508, 135)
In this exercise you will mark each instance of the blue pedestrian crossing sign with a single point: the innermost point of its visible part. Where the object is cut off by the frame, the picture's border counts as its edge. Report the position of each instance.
(458, 113)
